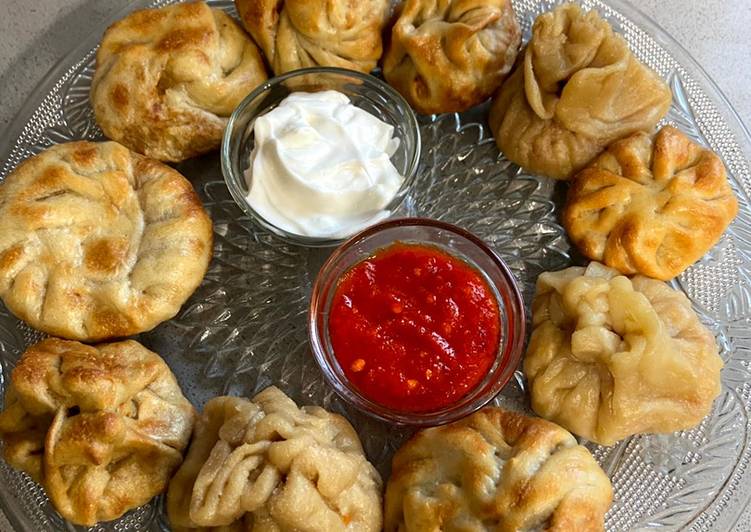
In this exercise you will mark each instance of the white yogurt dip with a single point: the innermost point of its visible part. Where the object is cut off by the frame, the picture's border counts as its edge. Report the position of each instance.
(321, 167)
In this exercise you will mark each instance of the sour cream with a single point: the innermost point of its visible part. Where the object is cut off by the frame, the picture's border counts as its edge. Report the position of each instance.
(321, 166)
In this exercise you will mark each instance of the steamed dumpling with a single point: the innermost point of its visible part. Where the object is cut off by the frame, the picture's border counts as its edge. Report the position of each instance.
(267, 465)
(576, 89)
(449, 55)
(611, 356)
(297, 34)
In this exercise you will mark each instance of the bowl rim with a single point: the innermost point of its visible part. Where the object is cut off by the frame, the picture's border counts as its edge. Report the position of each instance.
(231, 179)
(510, 346)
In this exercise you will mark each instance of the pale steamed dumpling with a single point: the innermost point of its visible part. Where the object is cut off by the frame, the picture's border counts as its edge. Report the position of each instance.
(267, 465)
(611, 356)
(577, 88)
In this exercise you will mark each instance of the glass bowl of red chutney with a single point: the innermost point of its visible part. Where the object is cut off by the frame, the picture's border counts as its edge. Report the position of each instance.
(416, 322)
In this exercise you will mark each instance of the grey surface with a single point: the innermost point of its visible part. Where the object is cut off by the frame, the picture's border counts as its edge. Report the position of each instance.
(35, 35)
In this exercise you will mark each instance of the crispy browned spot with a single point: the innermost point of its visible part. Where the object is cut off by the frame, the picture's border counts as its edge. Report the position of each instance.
(52, 177)
(120, 96)
(10, 257)
(191, 203)
(192, 9)
(421, 88)
(107, 322)
(197, 246)
(86, 154)
(146, 17)
(182, 37)
(105, 255)
(50, 180)
(254, 11)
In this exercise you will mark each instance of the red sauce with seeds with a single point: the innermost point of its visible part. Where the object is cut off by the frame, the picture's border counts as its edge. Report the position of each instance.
(414, 328)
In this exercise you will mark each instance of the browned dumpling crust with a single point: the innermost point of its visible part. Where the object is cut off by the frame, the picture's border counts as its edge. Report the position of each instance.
(167, 79)
(449, 55)
(496, 470)
(650, 205)
(576, 88)
(101, 428)
(610, 356)
(267, 464)
(99, 242)
(296, 34)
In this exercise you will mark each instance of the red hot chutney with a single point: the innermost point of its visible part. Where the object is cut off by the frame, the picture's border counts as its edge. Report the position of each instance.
(414, 328)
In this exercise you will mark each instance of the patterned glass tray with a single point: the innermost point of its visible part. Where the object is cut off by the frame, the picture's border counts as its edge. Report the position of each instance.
(245, 327)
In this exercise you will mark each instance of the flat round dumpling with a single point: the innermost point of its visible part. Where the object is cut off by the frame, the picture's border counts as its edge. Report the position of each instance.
(449, 55)
(576, 88)
(167, 79)
(101, 428)
(611, 356)
(650, 205)
(298, 34)
(265, 464)
(496, 470)
(99, 242)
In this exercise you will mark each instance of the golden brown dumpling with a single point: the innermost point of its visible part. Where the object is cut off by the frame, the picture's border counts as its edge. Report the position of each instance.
(449, 55)
(496, 470)
(650, 205)
(266, 464)
(99, 242)
(101, 428)
(611, 356)
(306, 33)
(167, 79)
(576, 89)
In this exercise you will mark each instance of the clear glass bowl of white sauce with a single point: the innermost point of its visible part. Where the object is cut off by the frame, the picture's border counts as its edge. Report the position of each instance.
(364, 91)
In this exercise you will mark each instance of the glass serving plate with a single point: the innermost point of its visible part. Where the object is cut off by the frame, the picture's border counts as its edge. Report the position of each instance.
(244, 328)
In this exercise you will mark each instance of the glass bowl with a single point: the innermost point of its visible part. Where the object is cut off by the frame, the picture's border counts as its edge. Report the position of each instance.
(365, 91)
(462, 245)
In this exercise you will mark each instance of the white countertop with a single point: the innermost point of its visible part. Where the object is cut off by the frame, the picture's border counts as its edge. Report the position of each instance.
(35, 35)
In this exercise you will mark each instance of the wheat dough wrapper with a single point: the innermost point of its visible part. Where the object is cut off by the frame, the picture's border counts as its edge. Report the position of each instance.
(575, 88)
(612, 356)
